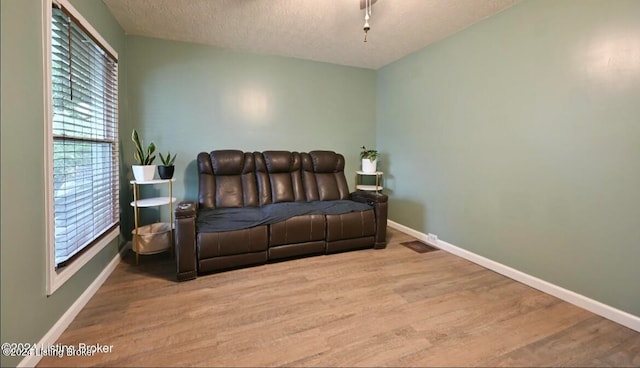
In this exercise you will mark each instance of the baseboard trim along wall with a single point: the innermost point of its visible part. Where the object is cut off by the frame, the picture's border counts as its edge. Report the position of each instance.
(594, 306)
(50, 338)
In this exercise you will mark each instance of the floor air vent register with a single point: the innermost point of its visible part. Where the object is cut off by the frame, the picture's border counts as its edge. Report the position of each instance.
(419, 246)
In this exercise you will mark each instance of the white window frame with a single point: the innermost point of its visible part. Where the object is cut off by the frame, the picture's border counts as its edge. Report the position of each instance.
(56, 278)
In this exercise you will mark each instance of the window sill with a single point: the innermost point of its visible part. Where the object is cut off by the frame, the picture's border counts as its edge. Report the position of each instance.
(56, 278)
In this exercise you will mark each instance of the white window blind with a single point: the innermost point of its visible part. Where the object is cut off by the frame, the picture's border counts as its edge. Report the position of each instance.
(85, 137)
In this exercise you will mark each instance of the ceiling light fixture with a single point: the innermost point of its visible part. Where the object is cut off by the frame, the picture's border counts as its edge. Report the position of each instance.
(367, 15)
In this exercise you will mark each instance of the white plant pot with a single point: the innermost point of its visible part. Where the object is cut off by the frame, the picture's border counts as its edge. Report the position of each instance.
(369, 166)
(143, 172)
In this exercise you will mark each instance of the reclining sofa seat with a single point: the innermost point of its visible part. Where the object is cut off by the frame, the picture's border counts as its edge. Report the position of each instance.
(235, 179)
(325, 181)
(227, 179)
(279, 175)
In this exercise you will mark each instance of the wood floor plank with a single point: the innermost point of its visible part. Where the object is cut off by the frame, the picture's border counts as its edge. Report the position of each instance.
(393, 307)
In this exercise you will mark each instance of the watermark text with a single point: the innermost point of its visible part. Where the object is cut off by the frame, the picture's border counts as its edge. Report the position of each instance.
(22, 349)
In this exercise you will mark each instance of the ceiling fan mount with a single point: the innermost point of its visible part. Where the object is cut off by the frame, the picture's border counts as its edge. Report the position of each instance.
(362, 3)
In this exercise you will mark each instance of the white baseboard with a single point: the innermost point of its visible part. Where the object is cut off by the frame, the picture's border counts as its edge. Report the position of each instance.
(594, 306)
(61, 325)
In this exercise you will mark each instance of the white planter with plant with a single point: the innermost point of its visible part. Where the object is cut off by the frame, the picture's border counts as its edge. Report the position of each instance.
(369, 160)
(145, 170)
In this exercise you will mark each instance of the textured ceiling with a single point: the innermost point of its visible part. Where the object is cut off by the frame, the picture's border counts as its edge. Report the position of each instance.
(320, 30)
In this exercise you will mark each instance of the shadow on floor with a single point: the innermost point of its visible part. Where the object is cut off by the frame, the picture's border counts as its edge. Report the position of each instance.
(161, 265)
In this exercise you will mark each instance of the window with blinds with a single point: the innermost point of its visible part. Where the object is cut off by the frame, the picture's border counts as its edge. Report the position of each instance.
(84, 77)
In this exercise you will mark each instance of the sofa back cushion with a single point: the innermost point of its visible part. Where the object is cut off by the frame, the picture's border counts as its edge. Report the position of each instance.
(323, 176)
(227, 178)
(279, 177)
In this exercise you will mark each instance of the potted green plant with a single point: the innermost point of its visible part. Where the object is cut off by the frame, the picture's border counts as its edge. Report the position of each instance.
(369, 159)
(144, 170)
(166, 169)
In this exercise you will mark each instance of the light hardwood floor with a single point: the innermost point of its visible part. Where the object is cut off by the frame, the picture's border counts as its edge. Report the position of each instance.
(391, 307)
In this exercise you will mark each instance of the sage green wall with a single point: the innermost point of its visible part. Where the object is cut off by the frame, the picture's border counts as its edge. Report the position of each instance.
(190, 98)
(519, 140)
(27, 313)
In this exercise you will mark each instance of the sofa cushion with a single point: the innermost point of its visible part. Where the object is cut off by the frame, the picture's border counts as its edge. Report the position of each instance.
(228, 219)
(280, 162)
(323, 176)
(351, 225)
(298, 229)
(227, 179)
(227, 162)
(232, 242)
(279, 177)
(326, 161)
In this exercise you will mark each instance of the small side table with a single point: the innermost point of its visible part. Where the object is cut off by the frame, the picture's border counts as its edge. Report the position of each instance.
(377, 187)
(152, 245)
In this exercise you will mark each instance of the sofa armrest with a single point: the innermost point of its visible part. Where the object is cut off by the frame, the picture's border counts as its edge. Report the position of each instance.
(185, 239)
(186, 209)
(370, 197)
(379, 203)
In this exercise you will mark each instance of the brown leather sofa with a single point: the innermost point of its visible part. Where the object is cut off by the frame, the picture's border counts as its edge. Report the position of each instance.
(256, 207)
